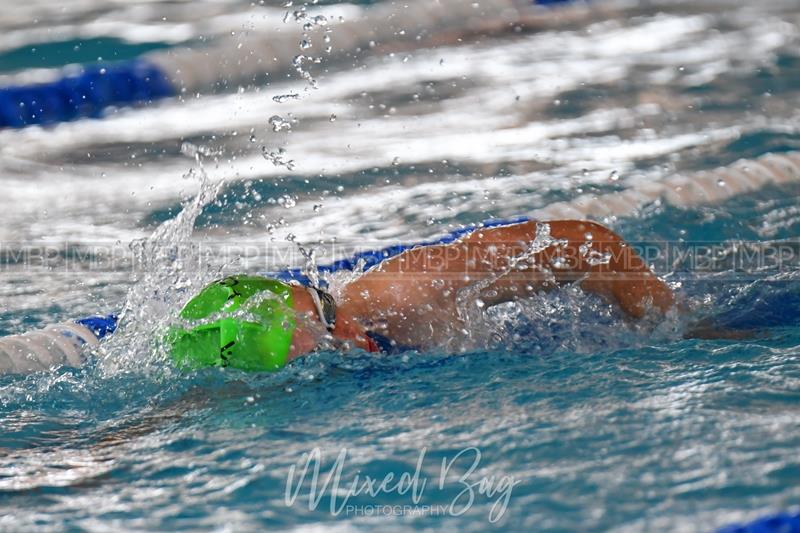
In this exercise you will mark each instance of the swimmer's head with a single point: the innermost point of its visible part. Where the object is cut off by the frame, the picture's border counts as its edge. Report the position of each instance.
(249, 322)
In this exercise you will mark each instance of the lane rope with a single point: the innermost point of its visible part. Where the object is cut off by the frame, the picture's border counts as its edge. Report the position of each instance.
(229, 61)
(777, 523)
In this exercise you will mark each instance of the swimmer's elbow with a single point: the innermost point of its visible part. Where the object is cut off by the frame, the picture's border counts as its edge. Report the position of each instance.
(637, 292)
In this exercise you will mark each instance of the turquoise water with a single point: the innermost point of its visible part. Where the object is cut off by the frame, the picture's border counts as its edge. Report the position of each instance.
(573, 418)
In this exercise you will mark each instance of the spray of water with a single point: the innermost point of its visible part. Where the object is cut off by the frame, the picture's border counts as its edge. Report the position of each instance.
(170, 268)
(471, 308)
(547, 321)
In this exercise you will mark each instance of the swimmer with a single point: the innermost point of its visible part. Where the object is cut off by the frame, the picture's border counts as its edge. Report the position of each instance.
(410, 300)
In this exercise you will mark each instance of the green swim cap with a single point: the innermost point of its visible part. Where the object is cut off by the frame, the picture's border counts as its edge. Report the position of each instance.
(232, 341)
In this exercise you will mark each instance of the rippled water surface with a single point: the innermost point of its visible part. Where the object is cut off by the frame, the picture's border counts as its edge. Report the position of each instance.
(603, 425)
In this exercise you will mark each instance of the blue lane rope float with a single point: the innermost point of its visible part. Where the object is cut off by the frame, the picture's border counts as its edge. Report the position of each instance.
(229, 61)
(100, 326)
(778, 523)
(85, 94)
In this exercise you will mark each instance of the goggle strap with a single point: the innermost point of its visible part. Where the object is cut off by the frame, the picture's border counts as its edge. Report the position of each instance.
(313, 291)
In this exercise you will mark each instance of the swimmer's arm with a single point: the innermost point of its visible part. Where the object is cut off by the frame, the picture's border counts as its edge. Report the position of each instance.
(608, 267)
(434, 276)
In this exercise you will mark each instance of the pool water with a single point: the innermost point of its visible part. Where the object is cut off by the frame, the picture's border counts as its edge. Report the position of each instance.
(556, 414)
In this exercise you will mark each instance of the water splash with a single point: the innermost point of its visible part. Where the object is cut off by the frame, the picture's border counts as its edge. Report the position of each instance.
(546, 320)
(170, 267)
(471, 308)
(309, 24)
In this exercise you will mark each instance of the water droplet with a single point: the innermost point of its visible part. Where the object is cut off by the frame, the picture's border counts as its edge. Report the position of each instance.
(193, 150)
(721, 183)
(317, 208)
(287, 201)
(277, 158)
(332, 118)
(596, 258)
(305, 44)
(614, 176)
(278, 123)
(281, 98)
(480, 303)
